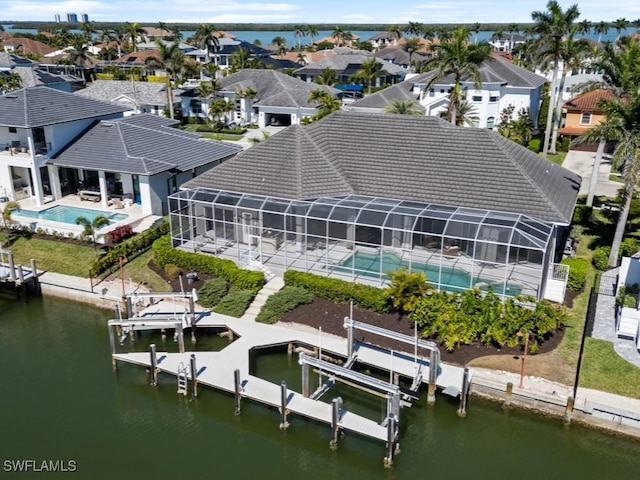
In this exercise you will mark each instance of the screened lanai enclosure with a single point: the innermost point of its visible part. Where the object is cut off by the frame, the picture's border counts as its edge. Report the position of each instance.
(360, 238)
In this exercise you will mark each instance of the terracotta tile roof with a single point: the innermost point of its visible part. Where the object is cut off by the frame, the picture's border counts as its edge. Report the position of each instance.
(138, 57)
(588, 102)
(28, 45)
(574, 130)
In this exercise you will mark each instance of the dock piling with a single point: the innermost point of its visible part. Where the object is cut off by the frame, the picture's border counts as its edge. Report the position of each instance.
(236, 388)
(349, 325)
(192, 311)
(305, 380)
(12, 267)
(153, 370)
(433, 375)
(194, 375)
(283, 406)
(112, 343)
(568, 412)
(336, 405)
(508, 394)
(464, 393)
(180, 337)
(36, 280)
(391, 440)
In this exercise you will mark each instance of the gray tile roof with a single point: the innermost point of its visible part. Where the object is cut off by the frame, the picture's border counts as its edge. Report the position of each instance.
(31, 77)
(402, 157)
(146, 93)
(39, 106)
(398, 56)
(12, 60)
(346, 62)
(140, 145)
(275, 89)
(399, 91)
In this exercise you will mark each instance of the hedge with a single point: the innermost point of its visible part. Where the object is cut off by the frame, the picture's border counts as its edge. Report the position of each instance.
(137, 244)
(212, 292)
(335, 290)
(600, 258)
(578, 268)
(282, 302)
(582, 214)
(235, 302)
(164, 253)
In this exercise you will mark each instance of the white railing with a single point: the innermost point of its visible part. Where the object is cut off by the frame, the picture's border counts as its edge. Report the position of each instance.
(559, 271)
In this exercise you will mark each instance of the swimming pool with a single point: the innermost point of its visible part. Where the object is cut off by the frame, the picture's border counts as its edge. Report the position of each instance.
(67, 214)
(451, 279)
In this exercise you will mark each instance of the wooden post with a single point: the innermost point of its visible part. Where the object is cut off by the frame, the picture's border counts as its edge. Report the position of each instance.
(290, 348)
(23, 289)
(129, 307)
(568, 412)
(464, 392)
(36, 280)
(180, 337)
(194, 376)
(508, 395)
(305, 380)
(283, 406)
(236, 388)
(433, 375)
(112, 343)
(154, 365)
(12, 267)
(336, 403)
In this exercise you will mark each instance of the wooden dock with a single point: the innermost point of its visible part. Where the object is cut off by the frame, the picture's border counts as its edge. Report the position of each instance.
(17, 278)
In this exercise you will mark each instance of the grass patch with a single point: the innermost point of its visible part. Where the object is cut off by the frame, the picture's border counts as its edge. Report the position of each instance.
(138, 271)
(616, 177)
(604, 369)
(54, 256)
(557, 158)
(213, 136)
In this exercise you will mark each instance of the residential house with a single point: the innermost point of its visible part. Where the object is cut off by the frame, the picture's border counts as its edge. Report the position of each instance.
(141, 97)
(31, 73)
(382, 40)
(503, 84)
(22, 46)
(353, 197)
(583, 113)
(279, 99)
(398, 56)
(226, 48)
(36, 122)
(141, 157)
(505, 44)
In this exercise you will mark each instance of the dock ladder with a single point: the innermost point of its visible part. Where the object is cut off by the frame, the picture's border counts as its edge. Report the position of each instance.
(182, 378)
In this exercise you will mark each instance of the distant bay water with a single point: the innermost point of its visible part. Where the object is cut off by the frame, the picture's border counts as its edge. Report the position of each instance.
(266, 36)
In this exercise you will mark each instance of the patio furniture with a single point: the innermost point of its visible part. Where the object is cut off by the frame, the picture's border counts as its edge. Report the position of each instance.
(451, 251)
(89, 195)
(117, 203)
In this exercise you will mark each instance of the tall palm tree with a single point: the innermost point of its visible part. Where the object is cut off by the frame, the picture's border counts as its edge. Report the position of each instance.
(551, 26)
(281, 45)
(312, 31)
(328, 76)
(338, 35)
(414, 29)
(370, 70)
(91, 227)
(411, 46)
(134, 30)
(79, 54)
(584, 27)
(395, 32)
(513, 28)
(623, 126)
(120, 37)
(170, 59)
(88, 29)
(476, 29)
(445, 34)
(461, 59)
(176, 33)
(240, 59)
(206, 39)
(402, 107)
(620, 25)
(326, 102)
(298, 33)
(601, 28)
(428, 33)
(163, 27)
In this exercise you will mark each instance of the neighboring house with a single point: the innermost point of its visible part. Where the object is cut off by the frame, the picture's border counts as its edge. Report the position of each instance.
(226, 48)
(152, 45)
(627, 314)
(339, 43)
(32, 73)
(36, 122)
(346, 63)
(382, 40)
(399, 57)
(279, 99)
(503, 84)
(506, 43)
(22, 46)
(574, 85)
(141, 97)
(353, 197)
(583, 113)
(139, 157)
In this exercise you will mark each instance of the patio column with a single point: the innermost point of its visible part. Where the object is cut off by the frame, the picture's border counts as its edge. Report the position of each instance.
(35, 173)
(54, 180)
(104, 194)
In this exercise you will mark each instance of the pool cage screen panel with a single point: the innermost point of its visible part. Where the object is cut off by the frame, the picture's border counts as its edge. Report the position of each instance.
(360, 238)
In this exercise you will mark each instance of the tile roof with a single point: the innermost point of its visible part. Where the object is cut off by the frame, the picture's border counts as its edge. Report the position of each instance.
(34, 76)
(588, 102)
(140, 145)
(275, 89)
(147, 93)
(39, 106)
(346, 62)
(11, 60)
(27, 45)
(402, 157)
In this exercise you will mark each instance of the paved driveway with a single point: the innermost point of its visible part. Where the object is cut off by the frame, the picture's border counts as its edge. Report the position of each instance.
(582, 164)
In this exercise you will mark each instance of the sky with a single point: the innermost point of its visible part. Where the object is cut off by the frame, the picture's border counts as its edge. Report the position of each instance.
(309, 11)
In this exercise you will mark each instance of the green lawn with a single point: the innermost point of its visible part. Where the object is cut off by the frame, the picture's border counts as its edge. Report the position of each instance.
(557, 158)
(138, 271)
(604, 369)
(616, 177)
(213, 136)
(54, 256)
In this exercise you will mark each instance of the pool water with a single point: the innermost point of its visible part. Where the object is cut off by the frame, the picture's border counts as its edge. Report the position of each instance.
(66, 214)
(451, 279)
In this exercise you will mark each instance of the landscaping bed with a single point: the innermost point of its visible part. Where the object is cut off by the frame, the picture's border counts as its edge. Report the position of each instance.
(174, 283)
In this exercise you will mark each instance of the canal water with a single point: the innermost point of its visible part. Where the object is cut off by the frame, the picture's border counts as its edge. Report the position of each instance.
(60, 401)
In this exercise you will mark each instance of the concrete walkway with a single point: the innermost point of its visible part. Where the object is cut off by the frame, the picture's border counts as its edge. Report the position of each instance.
(582, 164)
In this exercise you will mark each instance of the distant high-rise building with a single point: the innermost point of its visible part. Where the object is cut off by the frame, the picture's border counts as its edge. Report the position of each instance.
(72, 18)
(85, 17)
(57, 18)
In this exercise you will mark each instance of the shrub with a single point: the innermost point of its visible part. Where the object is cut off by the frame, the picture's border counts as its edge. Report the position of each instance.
(235, 302)
(212, 292)
(628, 247)
(120, 233)
(336, 290)
(282, 302)
(172, 270)
(578, 268)
(582, 214)
(535, 145)
(600, 257)
(565, 144)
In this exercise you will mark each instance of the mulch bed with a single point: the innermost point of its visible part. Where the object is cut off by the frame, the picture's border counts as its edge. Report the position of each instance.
(175, 282)
(330, 316)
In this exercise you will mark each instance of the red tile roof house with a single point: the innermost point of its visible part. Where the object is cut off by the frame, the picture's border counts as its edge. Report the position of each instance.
(583, 112)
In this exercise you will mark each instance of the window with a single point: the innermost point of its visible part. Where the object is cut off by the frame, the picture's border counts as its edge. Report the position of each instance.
(585, 118)
(477, 98)
(494, 99)
(196, 106)
(13, 130)
(491, 122)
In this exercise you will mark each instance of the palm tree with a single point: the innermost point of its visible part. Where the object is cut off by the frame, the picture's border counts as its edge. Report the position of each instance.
(10, 82)
(170, 59)
(176, 33)
(240, 59)
(497, 34)
(584, 27)
(120, 37)
(623, 126)
(411, 46)
(445, 34)
(312, 31)
(636, 23)
(338, 35)
(406, 288)
(298, 32)
(79, 54)
(620, 25)
(476, 29)
(601, 28)
(88, 29)
(458, 58)
(325, 102)
(328, 76)
(370, 70)
(414, 29)
(551, 26)
(163, 27)
(206, 39)
(395, 32)
(133, 31)
(428, 33)
(281, 45)
(402, 107)
(513, 28)
(91, 227)
(467, 114)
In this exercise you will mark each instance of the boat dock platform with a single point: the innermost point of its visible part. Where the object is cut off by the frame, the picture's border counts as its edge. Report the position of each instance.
(17, 278)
